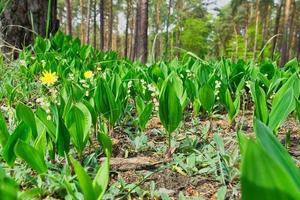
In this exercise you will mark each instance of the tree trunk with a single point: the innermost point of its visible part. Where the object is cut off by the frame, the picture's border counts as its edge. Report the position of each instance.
(88, 19)
(95, 23)
(167, 29)
(292, 31)
(276, 29)
(142, 31)
(257, 11)
(136, 30)
(16, 24)
(69, 16)
(110, 25)
(284, 48)
(128, 13)
(157, 29)
(265, 32)
(82, 22)
(102, 24)
(246, 29)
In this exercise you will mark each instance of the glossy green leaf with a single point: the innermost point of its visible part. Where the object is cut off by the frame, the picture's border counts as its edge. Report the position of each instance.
(4, 134)
(78, 122)
(24, 113)
(207, 97)
(106, 144)
(101, 180)
(281, 109)
(170, 110)
(145, 116)
(85, 181)
(22, 132)
(32, 156)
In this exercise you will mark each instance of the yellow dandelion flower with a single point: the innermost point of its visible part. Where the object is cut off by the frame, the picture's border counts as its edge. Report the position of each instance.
(88, 74)
(48, 78)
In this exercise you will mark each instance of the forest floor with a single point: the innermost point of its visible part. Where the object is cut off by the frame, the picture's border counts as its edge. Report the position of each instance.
(148, 167)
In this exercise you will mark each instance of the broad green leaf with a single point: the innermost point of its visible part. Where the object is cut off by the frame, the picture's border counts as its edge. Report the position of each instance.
(262, 178)
(24, 113)
(275, 150)
(42, 116)
(78, 122)
(101, 180)
(106, 143)
(170, 110)
(105, 102)
(22, 132)
(207, 97)
(62, 135)
(281, 109)
(145, 116)
(261, 109)
(32, 156)
(243, 141)
(85, 181)
(4, 134)
(8, 187)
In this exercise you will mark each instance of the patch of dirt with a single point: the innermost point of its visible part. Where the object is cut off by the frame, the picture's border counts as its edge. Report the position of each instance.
(136, 165)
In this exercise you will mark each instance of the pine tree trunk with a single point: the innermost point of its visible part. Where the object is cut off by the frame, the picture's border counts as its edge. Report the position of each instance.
(292, 31)
(167, 29)
(110, 25)
(157, 29)
(276, 29)
(128, 13)
(95, 23)
(284, 48)
(82, 22)
(69, 16)
(88, 19)
(136, 30)
(142, 47)
(16, 27)
(265, 32)
(256, 28)
(102, 23)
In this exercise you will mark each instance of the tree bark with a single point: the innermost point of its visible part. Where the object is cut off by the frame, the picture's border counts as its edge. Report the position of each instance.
(136, 30)
(167, 29)
(102, 23)
(257, 11)
(157, 29)
(142, 47)
(69, 16)
(110, 25)
(16, 27)
(95, 23)
(128, 13)
(284, 48)
(276, 29)
(88, 23)
(82, 22)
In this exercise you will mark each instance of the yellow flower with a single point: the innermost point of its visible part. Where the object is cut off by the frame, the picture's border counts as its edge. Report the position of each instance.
(88, 74)
(48, 78)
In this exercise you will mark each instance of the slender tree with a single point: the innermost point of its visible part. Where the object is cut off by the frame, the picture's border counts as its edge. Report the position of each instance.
(95, 23)
(102, 24)
(69, 16)
(82, 22)
(142, 31)
(110, 25)
(167, 28)
(88, 23)
(284, 48)
(257, 15)
(276, 29)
